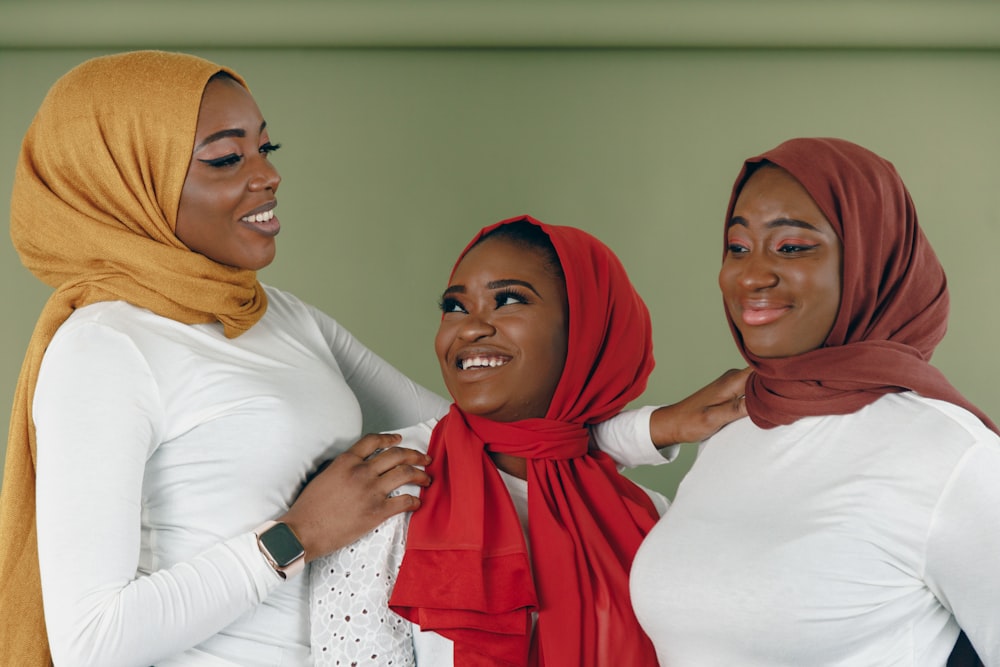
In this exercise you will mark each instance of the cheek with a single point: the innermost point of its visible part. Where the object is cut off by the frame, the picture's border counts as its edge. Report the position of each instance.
(727, 275)
(442, 341)
(557, 345)
(195, 213)
(832, 302)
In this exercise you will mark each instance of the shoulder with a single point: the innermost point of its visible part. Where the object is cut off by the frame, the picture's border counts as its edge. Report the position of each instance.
(418, 436)
(281, 298)
(286, 308)
(927, 419)
(119, 315)
(114, 324)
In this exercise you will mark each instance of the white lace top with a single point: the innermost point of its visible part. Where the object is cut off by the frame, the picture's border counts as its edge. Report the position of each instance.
(352, 625)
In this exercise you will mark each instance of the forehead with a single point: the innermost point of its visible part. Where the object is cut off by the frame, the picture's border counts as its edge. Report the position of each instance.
(771, 193)
(504, 256)
(772, 183)
(226, 104)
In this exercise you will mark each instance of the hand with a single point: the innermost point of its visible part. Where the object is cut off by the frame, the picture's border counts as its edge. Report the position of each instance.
(702, 413)
(350, 496)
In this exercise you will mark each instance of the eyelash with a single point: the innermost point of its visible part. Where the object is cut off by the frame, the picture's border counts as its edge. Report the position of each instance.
(782, 249)
(795, 248)
(452, 305)
(506, 294)
(449, 305)
(234, 158)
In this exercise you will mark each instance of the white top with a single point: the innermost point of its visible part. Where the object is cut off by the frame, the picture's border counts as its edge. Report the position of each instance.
(351, 620)
(161, 446)
(845, 540)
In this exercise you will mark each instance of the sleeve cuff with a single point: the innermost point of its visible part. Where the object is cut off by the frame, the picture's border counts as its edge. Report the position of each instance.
(625, 438)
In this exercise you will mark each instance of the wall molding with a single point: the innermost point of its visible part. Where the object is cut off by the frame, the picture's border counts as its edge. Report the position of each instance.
(754, 24)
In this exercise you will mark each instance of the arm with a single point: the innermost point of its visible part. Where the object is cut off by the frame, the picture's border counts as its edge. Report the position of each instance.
(962, 547)
(389, 400)
(98, 420)
(633, 437)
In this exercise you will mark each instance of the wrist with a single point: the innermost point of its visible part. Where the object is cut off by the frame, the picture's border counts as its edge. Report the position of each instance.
(661, 422)
(281, 548)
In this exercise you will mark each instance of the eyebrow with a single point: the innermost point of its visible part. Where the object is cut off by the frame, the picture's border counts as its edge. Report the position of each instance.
(222, 134)
(777, 222)
(494, 285)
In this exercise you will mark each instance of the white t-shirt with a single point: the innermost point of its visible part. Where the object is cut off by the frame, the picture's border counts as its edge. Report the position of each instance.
(844, 540)
(161, 446)
(351, 619)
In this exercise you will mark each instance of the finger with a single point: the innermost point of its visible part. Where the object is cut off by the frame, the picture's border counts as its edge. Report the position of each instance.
(740, 405)
(399, 504)
(400, 476)
(733, 381)
(397, 456)
(371, 442)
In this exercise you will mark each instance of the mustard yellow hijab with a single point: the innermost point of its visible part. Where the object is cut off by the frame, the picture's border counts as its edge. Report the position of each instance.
(93, 210)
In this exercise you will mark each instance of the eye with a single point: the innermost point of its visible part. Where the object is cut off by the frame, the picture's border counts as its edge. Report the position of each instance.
(509, 297)
(268, 148)
(795, 247)
(451, 305)
(224, 161)
(735, 248)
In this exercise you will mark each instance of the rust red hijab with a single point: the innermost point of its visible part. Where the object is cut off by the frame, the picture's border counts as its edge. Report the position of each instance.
(467, 573)
(894, 301)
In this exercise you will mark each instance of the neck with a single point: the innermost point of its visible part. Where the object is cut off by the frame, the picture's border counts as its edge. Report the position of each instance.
(510, 464)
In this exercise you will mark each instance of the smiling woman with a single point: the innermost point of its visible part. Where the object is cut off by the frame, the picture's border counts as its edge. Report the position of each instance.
(171, 406)
(226, 210)
(504, 309)
(520, 552)
(845, 522)
(780, 278)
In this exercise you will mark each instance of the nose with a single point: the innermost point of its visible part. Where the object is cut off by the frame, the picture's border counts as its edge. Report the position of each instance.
(475, 327)
(757, 272)
(265, 175)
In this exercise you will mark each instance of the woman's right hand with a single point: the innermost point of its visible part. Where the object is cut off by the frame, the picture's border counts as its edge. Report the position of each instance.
(704, 412)
(350, 496)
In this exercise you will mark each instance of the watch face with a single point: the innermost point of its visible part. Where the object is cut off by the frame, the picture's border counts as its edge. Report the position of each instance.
(281, 543)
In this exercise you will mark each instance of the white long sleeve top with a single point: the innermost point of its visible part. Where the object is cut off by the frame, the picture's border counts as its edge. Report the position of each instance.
(161, 446)
(842, 540)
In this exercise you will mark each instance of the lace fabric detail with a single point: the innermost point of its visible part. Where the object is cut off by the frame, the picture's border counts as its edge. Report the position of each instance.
(351, 623)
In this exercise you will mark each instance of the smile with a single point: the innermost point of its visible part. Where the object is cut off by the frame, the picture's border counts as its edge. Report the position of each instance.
(482, 362)
(259, 217)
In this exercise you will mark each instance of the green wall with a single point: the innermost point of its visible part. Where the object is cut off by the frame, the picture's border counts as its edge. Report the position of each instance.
(630, 120)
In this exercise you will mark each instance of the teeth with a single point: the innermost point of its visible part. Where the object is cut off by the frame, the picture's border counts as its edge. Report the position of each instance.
(260, 217)
(482, 362)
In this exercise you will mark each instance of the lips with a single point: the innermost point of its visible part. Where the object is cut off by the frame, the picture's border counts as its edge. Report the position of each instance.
(759, 314)
(263, 219)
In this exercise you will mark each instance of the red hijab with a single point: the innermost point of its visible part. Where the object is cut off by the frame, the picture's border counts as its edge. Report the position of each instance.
(894, 300)
(467, 574)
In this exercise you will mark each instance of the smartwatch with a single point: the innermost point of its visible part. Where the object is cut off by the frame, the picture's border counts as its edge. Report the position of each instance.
(281, 548)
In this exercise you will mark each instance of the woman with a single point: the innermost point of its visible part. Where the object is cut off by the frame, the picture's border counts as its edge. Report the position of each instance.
(854, 519)
(179, 403)
(170, 407)
(541, 335)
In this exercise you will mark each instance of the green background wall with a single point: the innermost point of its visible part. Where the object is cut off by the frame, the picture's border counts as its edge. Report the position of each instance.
(408, 126)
